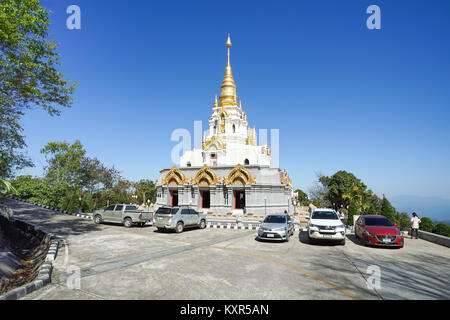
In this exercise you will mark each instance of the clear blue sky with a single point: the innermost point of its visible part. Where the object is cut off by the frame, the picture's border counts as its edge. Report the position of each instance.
(373, 102)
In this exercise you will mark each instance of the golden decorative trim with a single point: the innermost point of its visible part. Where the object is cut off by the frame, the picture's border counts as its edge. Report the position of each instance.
(219, 143)
(285, 179)
(239, 176)
(205, 176)
(174, 177)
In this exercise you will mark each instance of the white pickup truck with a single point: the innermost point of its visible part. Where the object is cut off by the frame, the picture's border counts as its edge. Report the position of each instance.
(123, 213)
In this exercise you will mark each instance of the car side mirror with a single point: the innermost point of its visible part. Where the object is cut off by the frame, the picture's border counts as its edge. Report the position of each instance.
(308, 217)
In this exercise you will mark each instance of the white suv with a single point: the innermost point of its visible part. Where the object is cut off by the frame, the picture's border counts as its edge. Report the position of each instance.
(325, 224)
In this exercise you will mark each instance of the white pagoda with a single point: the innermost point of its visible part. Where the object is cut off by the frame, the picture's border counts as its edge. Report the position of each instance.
(231, 171)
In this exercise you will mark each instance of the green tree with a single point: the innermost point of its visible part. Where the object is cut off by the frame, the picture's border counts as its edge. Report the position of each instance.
(64, 163)
(320, 203)
(352, 211)
(427, 224)
(37, 190)
(403, 221)
(343, 187)
(443, 229)
(87, 204)
(388, 210)
(303, 199)
(29, 76)
(145, 190)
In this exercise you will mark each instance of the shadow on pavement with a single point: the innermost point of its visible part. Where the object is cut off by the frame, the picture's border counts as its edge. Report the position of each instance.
(360, 243)
(62, 225)
(303, 238)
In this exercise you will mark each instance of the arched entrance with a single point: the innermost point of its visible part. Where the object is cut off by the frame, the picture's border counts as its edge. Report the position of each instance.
(239, 199)
(204, 178)
(239, 177)
(172, 180)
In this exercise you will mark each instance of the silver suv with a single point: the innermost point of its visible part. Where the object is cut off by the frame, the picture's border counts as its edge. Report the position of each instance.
(177, 218)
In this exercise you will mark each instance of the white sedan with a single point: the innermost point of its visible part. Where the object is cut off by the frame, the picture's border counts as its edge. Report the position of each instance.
(324, 224)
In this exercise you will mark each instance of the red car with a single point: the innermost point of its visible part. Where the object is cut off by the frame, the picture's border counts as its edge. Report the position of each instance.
(377, 230)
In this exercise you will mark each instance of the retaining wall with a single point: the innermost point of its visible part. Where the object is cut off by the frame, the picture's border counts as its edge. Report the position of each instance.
(36, 247)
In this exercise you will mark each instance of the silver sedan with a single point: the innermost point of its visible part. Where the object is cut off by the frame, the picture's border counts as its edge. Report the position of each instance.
(276, 227)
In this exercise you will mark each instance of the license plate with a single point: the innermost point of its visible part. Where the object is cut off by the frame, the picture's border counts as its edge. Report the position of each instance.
(386, 240)
(270, 235)
(327, 236)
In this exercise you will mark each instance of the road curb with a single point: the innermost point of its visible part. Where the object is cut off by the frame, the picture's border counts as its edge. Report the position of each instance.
(238, 226)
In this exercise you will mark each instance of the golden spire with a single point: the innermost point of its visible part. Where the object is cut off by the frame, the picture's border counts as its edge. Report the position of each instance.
(228, 87)
(215, 102)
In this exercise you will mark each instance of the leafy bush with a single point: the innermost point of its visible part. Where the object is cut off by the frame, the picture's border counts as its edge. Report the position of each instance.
(403, 221)
(443, 229)
(427, 224)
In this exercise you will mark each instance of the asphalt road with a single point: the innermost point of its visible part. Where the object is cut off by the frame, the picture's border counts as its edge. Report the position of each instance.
(114, 262)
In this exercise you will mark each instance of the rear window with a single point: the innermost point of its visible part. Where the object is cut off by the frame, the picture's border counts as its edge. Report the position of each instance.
(166, 211)
(328, 215)
(383, 222)
(275, 219)
(130, 208)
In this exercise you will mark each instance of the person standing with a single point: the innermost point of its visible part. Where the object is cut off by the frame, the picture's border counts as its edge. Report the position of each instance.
(415, 225)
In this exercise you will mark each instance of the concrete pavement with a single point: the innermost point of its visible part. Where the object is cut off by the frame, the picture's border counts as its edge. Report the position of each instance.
(140, 263)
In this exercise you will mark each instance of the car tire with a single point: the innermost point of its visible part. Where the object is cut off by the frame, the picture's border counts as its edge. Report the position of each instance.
(310, 240)
(179, 227)
(287, 237)
(160, 229)
(98, 219)
(202, 224)
(127, 222)
(342, 242)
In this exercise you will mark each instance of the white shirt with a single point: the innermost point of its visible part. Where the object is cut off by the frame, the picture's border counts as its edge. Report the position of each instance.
(415, 222)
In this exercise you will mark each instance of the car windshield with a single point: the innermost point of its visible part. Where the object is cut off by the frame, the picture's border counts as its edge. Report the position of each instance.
(166, 211)
(383, 222)
(275, 219)
(329, 215)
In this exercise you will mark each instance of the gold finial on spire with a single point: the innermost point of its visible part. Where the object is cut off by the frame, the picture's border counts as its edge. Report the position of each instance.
(228, 44)
(228, 87)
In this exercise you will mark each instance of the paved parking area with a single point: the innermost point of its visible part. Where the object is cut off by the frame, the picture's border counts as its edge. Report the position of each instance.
(141, 263)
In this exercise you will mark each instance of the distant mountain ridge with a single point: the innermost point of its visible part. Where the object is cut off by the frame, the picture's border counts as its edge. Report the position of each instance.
(435, 208)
